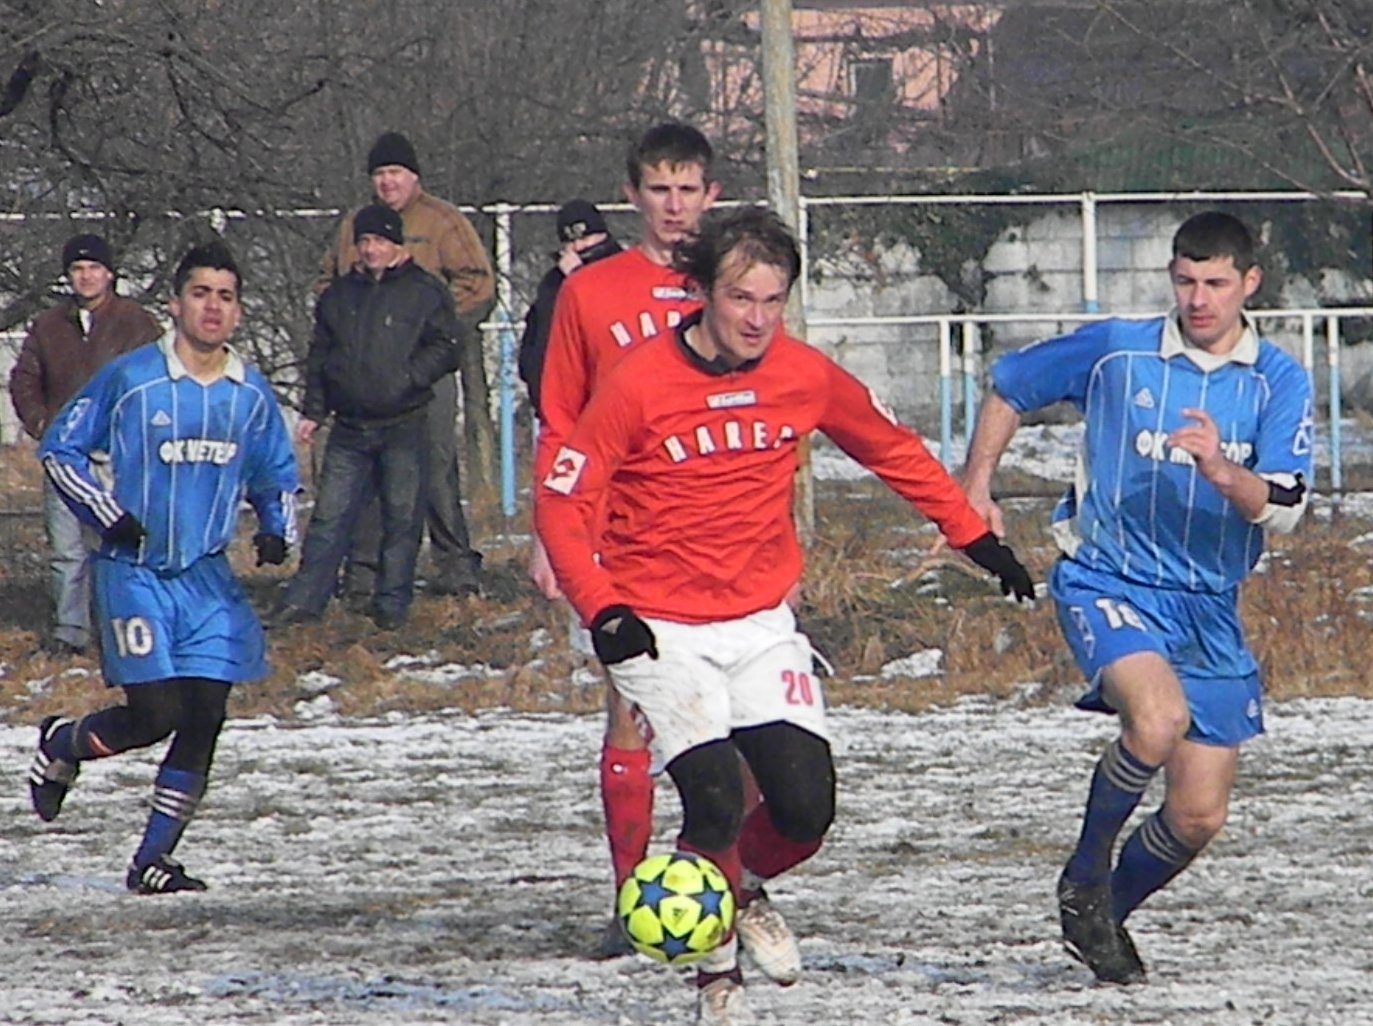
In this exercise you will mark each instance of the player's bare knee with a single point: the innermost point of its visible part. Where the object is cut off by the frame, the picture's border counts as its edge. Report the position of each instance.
(1196, 828)
(1155, 733)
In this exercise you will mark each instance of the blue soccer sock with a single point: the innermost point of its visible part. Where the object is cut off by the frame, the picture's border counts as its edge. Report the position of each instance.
(1118, 785)
(61, 743)
(1150, 858)
(176, 793)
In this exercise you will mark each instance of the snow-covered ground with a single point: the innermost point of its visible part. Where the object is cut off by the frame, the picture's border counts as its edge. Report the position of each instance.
(450, 870)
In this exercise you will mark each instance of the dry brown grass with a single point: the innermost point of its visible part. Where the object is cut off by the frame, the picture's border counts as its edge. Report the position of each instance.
(874, 592)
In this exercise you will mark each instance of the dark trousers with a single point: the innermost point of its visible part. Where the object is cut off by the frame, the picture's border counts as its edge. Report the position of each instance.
(363, 463)
(454, 558)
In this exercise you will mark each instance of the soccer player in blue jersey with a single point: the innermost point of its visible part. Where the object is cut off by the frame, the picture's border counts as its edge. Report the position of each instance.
(1197, 442)
(190, 431)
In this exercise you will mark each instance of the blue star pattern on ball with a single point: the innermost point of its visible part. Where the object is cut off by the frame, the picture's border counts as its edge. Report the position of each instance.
(676, 908)
(652, 894)
(711, 902)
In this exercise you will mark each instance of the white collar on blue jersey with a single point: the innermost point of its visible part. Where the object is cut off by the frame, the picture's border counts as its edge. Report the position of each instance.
(1174, 343)
(234, 368)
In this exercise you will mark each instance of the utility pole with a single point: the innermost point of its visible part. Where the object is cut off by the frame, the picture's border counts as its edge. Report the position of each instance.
(784, 192)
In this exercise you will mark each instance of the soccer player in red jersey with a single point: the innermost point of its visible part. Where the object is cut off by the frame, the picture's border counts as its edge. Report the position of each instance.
(667, 516)
(604, 311)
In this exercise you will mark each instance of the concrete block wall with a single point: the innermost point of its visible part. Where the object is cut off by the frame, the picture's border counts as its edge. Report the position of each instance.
(1032, 268)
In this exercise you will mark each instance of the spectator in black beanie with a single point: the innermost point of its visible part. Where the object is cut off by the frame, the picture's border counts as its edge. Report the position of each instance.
(584, 239)
(385, 334)
(439, 238)
(64, 348)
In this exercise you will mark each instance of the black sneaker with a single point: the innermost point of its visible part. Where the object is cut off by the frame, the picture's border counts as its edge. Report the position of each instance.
(389, 619)
(1127, 945)
(613, 943)
(457, 585)
(164, 875)
(50, 778)
(357, 601)
(1093, 937)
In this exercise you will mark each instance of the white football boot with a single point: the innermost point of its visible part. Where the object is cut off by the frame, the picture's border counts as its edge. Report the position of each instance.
(720, 997)
(769, 941)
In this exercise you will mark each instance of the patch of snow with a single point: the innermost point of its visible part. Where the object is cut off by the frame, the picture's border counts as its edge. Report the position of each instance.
(928, 662)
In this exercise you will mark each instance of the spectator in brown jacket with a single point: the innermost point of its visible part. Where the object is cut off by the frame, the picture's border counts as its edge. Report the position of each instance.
(440, 239)
(64, 348)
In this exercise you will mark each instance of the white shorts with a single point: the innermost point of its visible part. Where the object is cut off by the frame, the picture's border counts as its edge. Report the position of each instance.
(711, 679)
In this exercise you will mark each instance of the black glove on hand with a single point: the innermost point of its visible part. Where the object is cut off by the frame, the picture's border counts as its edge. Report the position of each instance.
(271, 548)
(125, 531)
(617, 634)
(996, 558)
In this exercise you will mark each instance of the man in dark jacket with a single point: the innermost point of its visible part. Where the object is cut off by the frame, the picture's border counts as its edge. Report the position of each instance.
(384, 334)
(584, 239)
(64, 348)
(440, 238)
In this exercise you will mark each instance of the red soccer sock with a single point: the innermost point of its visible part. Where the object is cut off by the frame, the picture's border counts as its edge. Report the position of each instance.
(627, 796)
(764, 851)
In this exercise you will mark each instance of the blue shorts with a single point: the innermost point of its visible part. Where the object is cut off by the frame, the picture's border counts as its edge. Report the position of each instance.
(196, 623)
(1105, 618)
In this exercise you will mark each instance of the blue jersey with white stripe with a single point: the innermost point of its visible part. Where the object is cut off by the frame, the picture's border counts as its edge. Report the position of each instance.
(183, 455)
(1140, 508)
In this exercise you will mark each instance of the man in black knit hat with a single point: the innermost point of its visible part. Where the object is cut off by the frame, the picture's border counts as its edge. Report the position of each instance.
(64, 348)
(442, 241)
(385, 334)
(584, 239)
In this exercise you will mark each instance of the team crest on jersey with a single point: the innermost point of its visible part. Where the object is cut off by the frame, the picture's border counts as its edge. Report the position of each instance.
(729, 400)
(883, 408)
(566, 471)
(160, 419)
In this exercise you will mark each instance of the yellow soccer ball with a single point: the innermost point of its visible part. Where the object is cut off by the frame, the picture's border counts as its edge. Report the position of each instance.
(676, 908)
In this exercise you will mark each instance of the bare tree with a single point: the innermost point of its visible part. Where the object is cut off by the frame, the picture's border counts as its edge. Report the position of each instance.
(1272, 92)
(144, 117)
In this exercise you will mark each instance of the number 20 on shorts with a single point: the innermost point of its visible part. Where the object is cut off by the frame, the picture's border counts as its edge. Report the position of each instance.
(800, 690)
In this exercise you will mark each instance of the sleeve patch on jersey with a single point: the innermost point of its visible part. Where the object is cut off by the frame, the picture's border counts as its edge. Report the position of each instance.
(882, 408)
(1301, 441)
(566, 471)
(74, 417)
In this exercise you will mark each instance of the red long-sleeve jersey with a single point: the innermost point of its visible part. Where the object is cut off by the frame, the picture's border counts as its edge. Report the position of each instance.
(603, 311)
(695, 469)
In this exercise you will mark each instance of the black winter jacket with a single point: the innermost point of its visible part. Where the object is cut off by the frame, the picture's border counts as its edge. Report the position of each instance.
(538, 321)
(380, 344)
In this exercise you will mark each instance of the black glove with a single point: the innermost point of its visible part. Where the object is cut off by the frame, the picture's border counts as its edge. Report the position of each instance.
(996, 558)
(125, 531)
(271, 548)
(617, 634)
